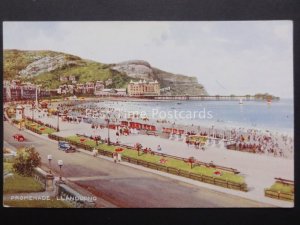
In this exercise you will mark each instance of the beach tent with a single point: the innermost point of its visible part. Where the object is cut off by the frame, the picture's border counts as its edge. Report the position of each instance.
(181, 131)
(112, 126)
(152, 128)
(124, 123)
(44, 105)
(145, 126)
(135, 125)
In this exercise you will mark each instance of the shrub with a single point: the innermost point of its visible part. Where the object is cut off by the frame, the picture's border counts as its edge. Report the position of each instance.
(26, 160)
(15, 121)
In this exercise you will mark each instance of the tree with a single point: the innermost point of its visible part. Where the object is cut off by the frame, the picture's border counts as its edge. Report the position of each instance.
(191, 160)
(26, 160)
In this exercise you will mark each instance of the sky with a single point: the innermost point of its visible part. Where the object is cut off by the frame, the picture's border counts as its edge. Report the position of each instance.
(227, 57)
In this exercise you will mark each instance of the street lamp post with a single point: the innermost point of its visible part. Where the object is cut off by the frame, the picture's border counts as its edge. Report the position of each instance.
(108, 138)
(49, 159)
(60, 164)
(57, 119)
(32, 110)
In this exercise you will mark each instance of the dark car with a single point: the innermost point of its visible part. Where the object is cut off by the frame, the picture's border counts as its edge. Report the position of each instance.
(66, 147)
(19, 137)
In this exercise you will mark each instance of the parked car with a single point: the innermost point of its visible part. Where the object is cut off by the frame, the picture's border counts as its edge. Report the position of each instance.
(19, 137)
(66, 147)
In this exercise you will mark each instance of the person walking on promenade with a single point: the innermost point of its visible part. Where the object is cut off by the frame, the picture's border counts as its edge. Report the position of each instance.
(119, 157)
(187, 142)
(115, 157)
(95, 152)
(159, 148)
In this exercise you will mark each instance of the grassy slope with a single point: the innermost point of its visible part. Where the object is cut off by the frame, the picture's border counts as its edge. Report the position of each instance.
(19, 184)
(15, 60)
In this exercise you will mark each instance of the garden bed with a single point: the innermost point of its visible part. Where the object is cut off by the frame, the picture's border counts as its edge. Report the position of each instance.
(281, 190)
(37, 128)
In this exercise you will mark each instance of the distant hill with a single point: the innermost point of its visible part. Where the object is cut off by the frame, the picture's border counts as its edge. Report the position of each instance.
(46, 67)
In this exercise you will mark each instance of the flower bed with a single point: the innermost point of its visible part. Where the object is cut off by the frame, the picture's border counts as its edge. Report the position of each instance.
(37, 128)
(41, 124)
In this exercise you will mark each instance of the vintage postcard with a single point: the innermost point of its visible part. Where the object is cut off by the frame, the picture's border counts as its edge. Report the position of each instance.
(148, 114)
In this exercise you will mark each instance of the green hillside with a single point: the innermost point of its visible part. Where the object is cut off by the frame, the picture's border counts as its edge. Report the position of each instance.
(83, 70)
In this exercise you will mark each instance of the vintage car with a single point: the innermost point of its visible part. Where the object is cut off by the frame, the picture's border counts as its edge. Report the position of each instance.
(66, 147)
(19, 137)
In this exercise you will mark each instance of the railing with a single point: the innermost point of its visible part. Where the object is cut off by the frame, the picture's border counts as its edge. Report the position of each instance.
(284, 181)
(279, 195)
(41, 176)
(183, 173)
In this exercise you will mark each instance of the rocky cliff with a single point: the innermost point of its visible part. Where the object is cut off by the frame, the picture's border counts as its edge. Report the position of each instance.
(178, 84)
(47, 64)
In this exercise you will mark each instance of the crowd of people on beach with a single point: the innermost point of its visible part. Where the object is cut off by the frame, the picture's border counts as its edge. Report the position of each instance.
(263, 142)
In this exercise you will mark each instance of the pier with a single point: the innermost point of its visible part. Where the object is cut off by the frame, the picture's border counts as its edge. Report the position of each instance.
(202, 97)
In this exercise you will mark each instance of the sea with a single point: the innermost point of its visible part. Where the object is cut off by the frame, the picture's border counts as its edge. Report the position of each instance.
(278, 116)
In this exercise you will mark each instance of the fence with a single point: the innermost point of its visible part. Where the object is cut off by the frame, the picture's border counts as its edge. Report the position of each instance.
(183, 173)
(279, 195)
(44, 178)
(171, 170)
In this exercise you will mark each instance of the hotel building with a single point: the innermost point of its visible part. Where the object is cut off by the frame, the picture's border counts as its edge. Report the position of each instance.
(143, 88)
